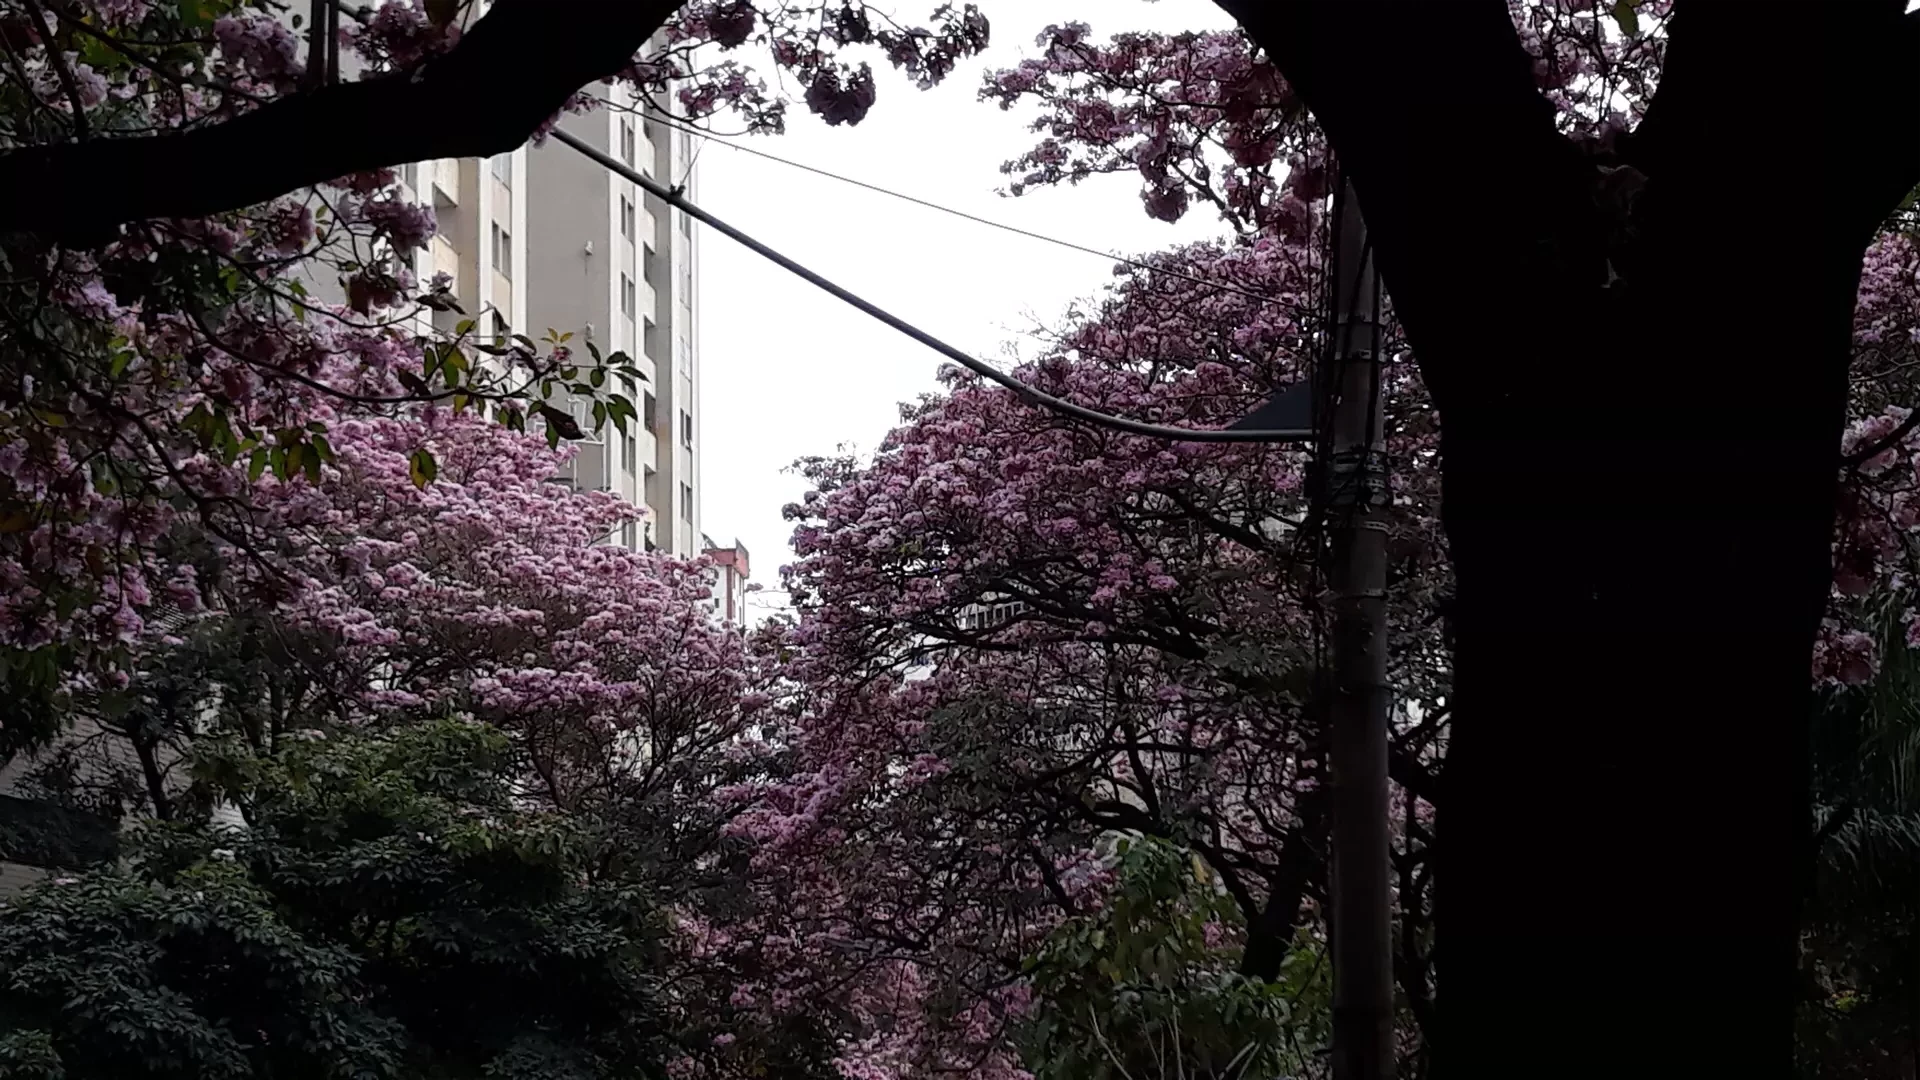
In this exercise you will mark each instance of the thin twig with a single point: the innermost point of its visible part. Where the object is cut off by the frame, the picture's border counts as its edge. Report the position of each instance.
(58, 60)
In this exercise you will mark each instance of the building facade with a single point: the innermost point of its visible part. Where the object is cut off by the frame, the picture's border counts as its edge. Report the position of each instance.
(543, 239)
(616, 267)
(730, 574)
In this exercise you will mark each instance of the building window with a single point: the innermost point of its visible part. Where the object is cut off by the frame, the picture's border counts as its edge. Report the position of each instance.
(686, 429)
(626, 217)
(627, 295)
(686, 502)
(686, 224)
(626, 142)
(629, 452)
(647, 410)
(628, 535)
(502, 250)
(650, 267)
(503, 168)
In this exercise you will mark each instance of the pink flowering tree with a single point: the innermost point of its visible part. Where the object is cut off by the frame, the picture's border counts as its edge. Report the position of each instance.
(163, 357)
(384, 604)
(1034, 634)
(156, 372)
(488, 592)
(1094, 609)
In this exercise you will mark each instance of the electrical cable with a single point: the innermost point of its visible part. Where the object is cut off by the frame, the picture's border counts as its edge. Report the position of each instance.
(1123, 260)
(978, 367)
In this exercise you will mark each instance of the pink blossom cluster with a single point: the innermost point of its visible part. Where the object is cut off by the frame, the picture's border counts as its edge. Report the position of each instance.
(260, 49)
(1878, 537)
(398, 34)
(1196, 115)
(932, 747)
(492, 589)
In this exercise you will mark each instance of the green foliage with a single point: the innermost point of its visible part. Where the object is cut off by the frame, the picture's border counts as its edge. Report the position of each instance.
(1860, 949)
(49, 835)
(1147, 986)
(387, 911)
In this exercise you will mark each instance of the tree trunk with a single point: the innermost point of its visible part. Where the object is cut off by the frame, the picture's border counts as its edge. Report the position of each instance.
(1270, 930)
(1639, 485)
(1620, 847)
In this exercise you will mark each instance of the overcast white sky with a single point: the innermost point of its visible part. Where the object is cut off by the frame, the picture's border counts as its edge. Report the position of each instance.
(790, 371)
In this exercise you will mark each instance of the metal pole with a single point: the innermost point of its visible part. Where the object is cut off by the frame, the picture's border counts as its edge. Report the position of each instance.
(1356, 477)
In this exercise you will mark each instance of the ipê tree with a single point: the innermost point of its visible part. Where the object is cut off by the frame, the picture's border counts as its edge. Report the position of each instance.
(379, 597)
(613, 701)
(1642, 401)
(1021, 634)
(156, 373)
(162, 350)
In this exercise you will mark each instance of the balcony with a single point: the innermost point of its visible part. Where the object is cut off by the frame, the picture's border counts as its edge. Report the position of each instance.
(648, 449)
(502, 296)
(446, 259)
(446, 182)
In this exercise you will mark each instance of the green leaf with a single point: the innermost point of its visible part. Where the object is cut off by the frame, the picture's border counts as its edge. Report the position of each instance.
(422, 468)
(1625, 14)
(560, 425)
(258, 464)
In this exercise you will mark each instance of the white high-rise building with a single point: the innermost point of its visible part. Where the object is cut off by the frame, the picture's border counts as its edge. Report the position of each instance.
(615, 266)
(542, 239)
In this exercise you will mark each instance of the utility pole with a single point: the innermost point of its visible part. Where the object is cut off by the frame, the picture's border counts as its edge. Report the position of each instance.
(1356, 490)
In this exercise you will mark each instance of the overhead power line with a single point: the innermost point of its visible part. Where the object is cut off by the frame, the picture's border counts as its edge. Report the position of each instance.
(984, 370)
(1137, 264)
